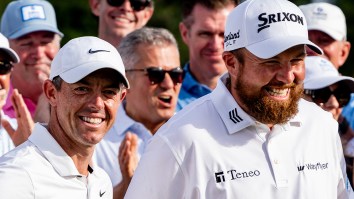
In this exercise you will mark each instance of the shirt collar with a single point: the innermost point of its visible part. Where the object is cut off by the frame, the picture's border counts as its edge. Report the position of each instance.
(52, 151)
(233, 116)
(189, 82)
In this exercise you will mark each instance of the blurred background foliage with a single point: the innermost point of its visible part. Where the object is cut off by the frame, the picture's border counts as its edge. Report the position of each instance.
(75, 19)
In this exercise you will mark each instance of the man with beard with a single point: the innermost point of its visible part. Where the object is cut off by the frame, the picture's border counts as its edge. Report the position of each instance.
(252, 137)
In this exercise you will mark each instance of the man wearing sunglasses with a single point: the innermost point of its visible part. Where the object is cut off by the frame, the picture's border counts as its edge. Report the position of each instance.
(9, 137)
(153, 69)
(117, 18)
(202, 30)
(31, 27)
(331, 91)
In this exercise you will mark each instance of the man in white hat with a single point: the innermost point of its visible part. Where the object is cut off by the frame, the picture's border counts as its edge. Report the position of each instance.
(9, 137)
(327, 28)
(86, 85)
(253, 136)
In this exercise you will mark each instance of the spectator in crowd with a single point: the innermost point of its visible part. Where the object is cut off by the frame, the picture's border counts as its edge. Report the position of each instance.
(85, 88)
(31, 27)
(202, 30)
(327, 28)
(9, 137)
(117, 18)
(253, 129)
(331, 91)
(153, 69)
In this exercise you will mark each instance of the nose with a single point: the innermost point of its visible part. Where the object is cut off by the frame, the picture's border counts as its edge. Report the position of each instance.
(96, 102)
(332, 103)
(167, 82)
(216, 42)
(126, 6)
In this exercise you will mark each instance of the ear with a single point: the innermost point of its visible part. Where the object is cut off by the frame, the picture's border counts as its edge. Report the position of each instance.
(50, 92)
(344, 53)
(95, 5)
(184, 32)
(148, 12)
(230, 60)
(123, 94)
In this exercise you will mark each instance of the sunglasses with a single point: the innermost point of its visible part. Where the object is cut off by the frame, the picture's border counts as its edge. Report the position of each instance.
(157, 74)
(137, 5)
(322, 95)
(5, 67)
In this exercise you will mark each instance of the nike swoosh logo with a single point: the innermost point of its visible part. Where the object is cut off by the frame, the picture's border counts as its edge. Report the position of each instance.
(101, 194)
(96, 51)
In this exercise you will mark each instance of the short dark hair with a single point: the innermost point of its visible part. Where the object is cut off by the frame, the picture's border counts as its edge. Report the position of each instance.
(57, 80)
(188, 6)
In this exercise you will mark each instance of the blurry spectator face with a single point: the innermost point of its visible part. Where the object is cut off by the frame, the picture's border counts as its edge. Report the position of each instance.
(205, 39)
(333, 50)
(153, 94)
(331, 98)
(117, 18)
(5, 71)
(36, 51)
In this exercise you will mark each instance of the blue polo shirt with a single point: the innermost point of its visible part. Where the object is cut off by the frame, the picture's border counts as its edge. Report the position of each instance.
(191, 89)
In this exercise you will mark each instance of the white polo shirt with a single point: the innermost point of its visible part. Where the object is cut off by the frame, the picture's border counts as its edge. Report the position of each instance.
(212, 149)
(39, 168)
(107, 150)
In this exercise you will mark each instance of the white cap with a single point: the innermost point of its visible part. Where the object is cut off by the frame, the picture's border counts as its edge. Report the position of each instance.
(266, 28)
(84, 55)
(4, 45)
(326, 18)
(321, 73)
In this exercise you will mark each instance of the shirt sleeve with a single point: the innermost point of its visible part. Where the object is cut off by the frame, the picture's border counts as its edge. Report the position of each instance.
(152, 181)
(15, 182)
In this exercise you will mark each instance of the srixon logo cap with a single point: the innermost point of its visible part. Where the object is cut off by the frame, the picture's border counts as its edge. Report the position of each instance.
(266, 28)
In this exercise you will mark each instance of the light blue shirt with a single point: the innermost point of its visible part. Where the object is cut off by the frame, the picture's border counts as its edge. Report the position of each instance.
(6, 143)
(191, 89)
(348, 111)
(107, 150)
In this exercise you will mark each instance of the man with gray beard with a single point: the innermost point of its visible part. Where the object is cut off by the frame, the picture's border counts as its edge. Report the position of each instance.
(252, 136)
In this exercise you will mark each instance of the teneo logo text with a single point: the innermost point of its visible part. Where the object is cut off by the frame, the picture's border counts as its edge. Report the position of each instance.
(231, 37)
(234, 175)
(278, 17)
(313, 167)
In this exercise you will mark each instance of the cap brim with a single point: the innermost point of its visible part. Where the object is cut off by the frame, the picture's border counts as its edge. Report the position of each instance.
(34, 28)
(274, 46)
(76, 74)
(325, 81)
(13, 55)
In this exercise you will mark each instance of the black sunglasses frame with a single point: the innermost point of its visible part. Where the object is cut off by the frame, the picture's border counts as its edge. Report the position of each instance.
(5, 67)
(137, 5)
(156, 74)
(322, 95)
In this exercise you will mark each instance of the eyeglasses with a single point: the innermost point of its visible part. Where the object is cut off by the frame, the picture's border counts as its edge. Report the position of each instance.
(137, 5)
(157, 74)
(5, 67)
(322, 95)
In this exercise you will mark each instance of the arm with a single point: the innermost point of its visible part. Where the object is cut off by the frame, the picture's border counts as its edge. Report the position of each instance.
(24, 120)
(128, 161)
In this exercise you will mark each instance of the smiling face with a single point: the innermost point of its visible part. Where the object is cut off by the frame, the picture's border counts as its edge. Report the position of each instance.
(153, 104)
(116, 22)
(268, 89)
(36, 51)
(82, 112)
